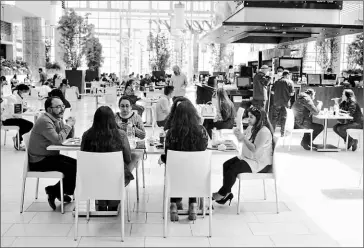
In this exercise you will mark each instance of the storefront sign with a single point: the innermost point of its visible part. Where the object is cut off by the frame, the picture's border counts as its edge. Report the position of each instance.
(295, 4)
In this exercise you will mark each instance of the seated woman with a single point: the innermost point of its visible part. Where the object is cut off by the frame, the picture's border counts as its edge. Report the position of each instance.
(350, 105)
(105, 136)
(163, 106)
(58, 92)
(126, 116)
(225, 113)
(256, 155)
(7, 114)
(185, 134)
(169, 118)
(129, 91)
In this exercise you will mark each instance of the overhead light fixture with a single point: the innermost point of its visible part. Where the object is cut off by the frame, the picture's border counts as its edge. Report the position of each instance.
(179, 12)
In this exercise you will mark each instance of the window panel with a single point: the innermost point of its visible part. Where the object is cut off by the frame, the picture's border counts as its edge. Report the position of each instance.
(94, 4)
(104, 23)
(162, 5)
(136, 5)
(103, 4)
(104, 15)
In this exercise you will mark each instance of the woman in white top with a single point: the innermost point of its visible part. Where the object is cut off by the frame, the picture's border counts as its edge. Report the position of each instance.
(256, 155)
(179, 82)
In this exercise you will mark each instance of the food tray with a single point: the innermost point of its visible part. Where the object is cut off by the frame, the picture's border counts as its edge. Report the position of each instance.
(72, 142)
(230, 145)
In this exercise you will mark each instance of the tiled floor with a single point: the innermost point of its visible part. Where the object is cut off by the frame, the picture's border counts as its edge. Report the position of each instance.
(321, 204)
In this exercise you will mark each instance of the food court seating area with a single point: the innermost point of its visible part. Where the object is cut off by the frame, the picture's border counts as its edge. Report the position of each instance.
(320, 203)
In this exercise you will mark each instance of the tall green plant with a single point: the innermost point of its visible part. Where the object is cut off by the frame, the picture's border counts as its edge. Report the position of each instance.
(355, 53)
(327, 51)
(93, 52)
(74, 31)
(161, 52)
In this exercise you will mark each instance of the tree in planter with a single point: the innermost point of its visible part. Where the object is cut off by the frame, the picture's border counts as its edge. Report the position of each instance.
(74, 31)
(161, 51)
(327, 52)
(47, 44)
(93, 52)
(355, 53)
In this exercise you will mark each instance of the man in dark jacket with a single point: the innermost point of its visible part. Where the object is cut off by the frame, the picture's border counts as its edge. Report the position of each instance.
(282, 91)
(303, 109)
(260, 84)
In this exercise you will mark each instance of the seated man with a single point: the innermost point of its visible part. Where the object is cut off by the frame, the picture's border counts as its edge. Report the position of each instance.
(48, 130)
(350, 105)
(163, 106)
(303, 110)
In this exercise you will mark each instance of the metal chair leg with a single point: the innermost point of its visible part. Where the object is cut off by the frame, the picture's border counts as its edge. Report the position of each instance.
(265, 194)
(62, 202)
(22, 195)
(88, 210)
(311, 141)
(137, 181)
(76, 221)
(275, 186)
(36, 189)
(143, 173)
(5, 137)
(238, 210)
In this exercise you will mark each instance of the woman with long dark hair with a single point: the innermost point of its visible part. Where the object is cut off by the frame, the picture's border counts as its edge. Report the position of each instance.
(105, 136)
(185, 134)
(349, 104)
(169, 118)
(256, 155)
(225, 113)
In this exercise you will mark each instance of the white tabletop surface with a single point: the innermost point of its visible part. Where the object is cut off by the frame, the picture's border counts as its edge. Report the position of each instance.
(333, 117)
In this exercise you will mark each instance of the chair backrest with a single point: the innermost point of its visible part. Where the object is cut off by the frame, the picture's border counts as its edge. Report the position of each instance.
(188, 174)
(289, 126)
(26, 138)
(71, 95)
(100, 175)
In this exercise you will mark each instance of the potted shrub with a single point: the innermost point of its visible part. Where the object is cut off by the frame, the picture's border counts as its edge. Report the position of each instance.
(74, 31)
(94, 58)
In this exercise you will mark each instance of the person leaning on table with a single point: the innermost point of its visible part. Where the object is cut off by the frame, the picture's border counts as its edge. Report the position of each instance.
(303, 110)
(49, 129)
(350, 105)
(105, 136)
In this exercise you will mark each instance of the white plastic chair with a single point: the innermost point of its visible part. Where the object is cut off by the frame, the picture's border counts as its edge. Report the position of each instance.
(98, 179)
(194, 166)
(289, 128)
(111, 97)
(261, 176)
(37, 175)
(10, 128)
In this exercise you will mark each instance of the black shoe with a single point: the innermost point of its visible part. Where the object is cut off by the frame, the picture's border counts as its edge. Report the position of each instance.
(179, 205)
(51, 198)
(228, 197)
(305, 146)
(354, 145)
(66, 198)
(315, 145)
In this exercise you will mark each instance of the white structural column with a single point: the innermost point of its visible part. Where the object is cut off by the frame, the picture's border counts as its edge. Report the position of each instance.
(33, 43)
(120, 45)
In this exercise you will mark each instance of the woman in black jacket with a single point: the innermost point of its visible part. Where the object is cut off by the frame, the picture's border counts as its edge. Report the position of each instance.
(350, 105)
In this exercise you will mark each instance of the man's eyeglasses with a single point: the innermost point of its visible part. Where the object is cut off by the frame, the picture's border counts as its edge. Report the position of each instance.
(59, 107)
